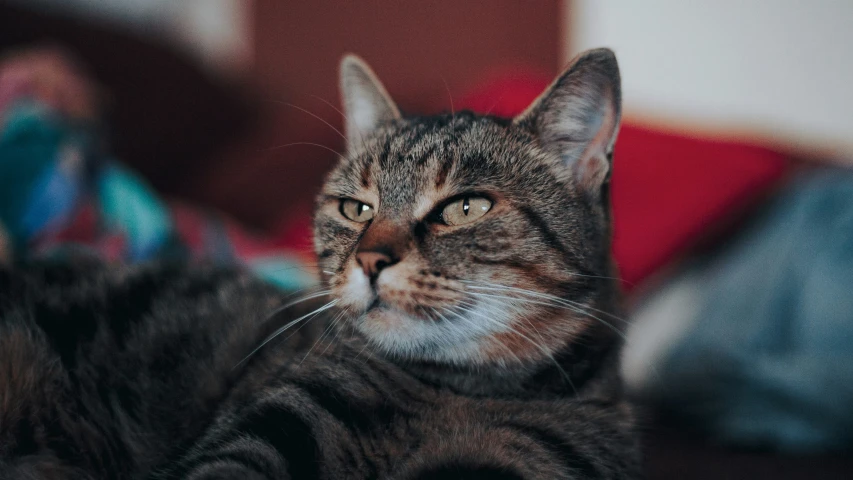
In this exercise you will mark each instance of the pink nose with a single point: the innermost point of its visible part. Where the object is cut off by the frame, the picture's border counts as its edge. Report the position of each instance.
(373, 262)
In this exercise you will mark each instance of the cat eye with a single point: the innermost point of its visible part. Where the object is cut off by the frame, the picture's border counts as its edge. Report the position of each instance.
(465, 210)
(356, 211)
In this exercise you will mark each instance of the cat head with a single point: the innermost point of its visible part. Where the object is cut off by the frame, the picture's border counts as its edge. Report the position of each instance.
(469, 239)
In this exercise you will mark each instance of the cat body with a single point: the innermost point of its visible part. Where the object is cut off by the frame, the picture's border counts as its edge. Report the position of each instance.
(464, 332)
(130, 374)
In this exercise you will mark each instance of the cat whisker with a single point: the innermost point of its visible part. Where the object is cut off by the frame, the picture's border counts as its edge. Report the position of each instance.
(447, 89)
(548, 354)
(326, 331)
(570, 307)
(471, 304)
(604, 277)
(541, 348)
(334, 324)
(528, 322)
(574, 306)
(363, 347)
(304, 268)
(494, 105)
(312, 296)
(518, 310)
(498, 287)
(462, 317)
(582, 310)
(313, 115)
(369, 354)
(343, 115)
(287, 326)
(338, 154)
(465, 318)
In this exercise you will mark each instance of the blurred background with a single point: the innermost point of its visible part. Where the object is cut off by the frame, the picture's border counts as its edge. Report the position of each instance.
(133, 129)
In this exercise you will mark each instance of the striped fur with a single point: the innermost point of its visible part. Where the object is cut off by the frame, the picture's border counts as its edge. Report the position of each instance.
(479, 351)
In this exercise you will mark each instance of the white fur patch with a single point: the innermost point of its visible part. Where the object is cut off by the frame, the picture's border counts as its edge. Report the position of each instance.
(357, 292)
(455, 338)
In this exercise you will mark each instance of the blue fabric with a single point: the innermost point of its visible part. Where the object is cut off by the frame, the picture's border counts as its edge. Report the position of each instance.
(29, 144)
(52, 198)
(52, 169)
(283, 272)
(128, 205)
(769, 361)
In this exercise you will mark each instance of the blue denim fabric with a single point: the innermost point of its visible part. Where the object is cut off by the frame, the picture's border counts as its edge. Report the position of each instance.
(769, 361)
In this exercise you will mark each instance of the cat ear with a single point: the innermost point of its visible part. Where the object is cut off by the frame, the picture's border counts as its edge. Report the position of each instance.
(577, 118)
(366, 103)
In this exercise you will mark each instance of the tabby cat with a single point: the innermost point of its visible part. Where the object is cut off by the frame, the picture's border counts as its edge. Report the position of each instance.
(464, 328)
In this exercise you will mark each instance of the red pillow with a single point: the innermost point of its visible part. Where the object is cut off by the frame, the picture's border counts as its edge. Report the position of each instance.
(668, 190)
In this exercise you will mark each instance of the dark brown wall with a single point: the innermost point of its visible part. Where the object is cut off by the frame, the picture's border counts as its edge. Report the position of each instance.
(414, 46)
(193, 136)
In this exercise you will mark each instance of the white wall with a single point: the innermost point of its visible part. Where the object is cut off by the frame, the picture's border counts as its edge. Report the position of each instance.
(781, 70)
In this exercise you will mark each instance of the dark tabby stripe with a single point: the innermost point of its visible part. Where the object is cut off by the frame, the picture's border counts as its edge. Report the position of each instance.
(575, 461)
(550, 237)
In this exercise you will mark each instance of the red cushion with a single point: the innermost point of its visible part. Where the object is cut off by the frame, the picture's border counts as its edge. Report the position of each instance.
(669, 190)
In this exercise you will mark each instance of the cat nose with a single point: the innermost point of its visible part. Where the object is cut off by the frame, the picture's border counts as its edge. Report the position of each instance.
(373, 262)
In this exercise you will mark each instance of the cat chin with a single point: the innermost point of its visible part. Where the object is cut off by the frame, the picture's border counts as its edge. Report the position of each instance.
(398, 334)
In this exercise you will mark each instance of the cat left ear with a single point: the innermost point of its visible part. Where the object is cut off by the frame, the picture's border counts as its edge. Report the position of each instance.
(577, 118)
(366, 102)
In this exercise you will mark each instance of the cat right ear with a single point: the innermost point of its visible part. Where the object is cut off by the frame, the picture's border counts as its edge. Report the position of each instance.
(577, 118)
(366, 102)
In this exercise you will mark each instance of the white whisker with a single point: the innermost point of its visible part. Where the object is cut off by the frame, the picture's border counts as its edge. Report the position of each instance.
(544, 350)
(566, 303)
(326, 331)
(334, 324)
(498, 287)
(313, 115)
(287, 326)
(284, 307)
(573, 308)
(463, 318)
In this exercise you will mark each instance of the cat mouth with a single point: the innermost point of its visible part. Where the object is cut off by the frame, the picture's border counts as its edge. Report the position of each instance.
(383, 306)
(376, 304)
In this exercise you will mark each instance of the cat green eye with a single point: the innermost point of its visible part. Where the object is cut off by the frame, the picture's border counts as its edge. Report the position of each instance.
(465, 210)
(356, 211)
